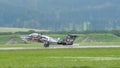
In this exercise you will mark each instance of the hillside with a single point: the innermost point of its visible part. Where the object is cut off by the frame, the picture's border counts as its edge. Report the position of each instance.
(60, 14)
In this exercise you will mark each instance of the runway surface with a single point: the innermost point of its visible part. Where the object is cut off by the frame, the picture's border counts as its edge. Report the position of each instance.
(55, 47)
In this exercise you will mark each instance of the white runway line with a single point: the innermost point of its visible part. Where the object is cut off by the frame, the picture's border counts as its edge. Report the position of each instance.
(84, 46)
(55, 47)
(88, 58)
(18, 48)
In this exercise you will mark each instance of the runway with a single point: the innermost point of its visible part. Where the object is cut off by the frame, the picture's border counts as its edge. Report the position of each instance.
(55, 47)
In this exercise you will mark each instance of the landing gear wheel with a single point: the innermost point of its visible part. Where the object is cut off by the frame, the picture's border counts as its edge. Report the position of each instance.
(71, 43)
(46, 44)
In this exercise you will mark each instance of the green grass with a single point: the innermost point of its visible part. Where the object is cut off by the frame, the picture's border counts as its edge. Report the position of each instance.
(6, 38)
(104, 37)
(98, 39)
(23, 45)
(43, 58)
(101, 37)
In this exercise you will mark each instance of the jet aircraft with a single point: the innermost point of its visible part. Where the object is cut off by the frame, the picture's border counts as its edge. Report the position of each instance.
(70, 38)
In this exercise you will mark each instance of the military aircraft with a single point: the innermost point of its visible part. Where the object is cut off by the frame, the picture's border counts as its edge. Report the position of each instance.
(70, 38)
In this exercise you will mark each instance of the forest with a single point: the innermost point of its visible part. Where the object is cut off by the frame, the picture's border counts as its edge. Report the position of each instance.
(63, 15)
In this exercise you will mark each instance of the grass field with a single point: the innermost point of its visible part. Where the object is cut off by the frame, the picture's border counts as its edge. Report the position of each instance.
(6, 38)
(61, 58)
(97, 39)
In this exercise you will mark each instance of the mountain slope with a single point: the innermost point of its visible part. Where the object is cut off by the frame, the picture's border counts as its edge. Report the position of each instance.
(60, 14)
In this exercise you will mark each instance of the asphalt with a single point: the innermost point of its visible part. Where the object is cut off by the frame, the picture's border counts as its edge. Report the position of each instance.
(56, 47)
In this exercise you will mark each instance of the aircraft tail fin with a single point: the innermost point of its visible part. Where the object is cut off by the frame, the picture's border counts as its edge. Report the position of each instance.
(68, 40)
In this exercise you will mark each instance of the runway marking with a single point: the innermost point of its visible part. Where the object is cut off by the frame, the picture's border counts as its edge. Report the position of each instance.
(88, 58)
(55, 47)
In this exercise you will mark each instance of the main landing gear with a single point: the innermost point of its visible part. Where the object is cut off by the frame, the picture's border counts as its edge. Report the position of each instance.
(46, 44)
